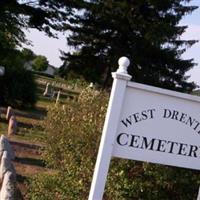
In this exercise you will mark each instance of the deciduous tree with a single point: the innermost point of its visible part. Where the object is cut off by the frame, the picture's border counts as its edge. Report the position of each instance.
(40, 63)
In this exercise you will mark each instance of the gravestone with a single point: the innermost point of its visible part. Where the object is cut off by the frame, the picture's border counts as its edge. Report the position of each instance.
(12, 125)
(5, 146)
(8, 187)
(48, 90)
(9, 113)
(6, 165)
(91, 85)
(7, 170)
(58, 97)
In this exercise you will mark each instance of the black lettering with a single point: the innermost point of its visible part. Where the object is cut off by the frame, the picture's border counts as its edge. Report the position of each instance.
(127, 121)
(161, 145)
(191, 121)
(144, 114)
(193, 151)
(136, 117)
(182, 149)
(134, 141)
(175, 115)
(196, 125)
(182, 118)
(145, 143)
(172, 146)
(151, 112)
(167, 113)
(119, 139)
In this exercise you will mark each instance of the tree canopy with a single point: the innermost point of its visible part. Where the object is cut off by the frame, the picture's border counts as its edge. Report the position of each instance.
(18, 15)
(40, 63)
(28, 54)
(147, 31)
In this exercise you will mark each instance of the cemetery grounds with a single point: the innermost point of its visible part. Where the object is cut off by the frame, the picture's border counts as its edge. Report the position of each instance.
(29, 140)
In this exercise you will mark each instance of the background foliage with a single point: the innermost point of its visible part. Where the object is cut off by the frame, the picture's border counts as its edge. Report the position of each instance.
(40, 63)
(146, 31)
(18, 88)
(73, 135)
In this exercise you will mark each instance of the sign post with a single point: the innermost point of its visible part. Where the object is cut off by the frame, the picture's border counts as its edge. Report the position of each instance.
(110, 128)
(148, 124)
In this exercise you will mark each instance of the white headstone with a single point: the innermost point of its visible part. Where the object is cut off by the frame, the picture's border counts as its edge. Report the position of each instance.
(5, 146)
(8, 187)
(58, 97)
(6, 165)
(48, 90)
(12, 126)
(9, 113)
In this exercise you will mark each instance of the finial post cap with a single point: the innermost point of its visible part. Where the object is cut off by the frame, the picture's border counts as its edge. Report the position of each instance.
(123, 62)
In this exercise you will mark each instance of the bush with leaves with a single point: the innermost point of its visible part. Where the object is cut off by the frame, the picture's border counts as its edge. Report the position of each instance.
(73, 135)
(40, 63)
(18, 88)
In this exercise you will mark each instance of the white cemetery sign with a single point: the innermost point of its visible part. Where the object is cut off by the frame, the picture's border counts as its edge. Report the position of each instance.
(146, 123)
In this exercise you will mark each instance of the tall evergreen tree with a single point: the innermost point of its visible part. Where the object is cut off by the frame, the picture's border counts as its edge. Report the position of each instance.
(147, 31)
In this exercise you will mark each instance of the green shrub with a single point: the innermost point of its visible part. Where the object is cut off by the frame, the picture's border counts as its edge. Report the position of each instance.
(73, 135)
(18, 88)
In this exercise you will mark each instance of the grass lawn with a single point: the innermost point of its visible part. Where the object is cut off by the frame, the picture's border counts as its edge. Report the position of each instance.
(30, 138)
(28, 142)
(30, 122)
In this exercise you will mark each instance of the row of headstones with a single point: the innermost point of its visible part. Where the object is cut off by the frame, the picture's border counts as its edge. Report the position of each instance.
(49, 92)
(56, 84)
(7, 170)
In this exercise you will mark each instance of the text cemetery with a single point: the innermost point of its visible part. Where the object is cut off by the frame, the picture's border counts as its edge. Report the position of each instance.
(153, 144)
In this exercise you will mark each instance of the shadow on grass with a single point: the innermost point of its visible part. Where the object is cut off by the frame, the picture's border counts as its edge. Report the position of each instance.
(24, 145)
(18, 195)
(3, 120)
(22, 124)
(20, 180)
(30, 161)
(27, 125)
(38, 113)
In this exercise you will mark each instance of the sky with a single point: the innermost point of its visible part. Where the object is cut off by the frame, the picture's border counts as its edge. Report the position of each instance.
(193, 32)
(50, 47)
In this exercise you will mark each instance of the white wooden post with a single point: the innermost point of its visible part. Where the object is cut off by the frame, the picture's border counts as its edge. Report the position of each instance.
(198, 197)
(121, 78)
